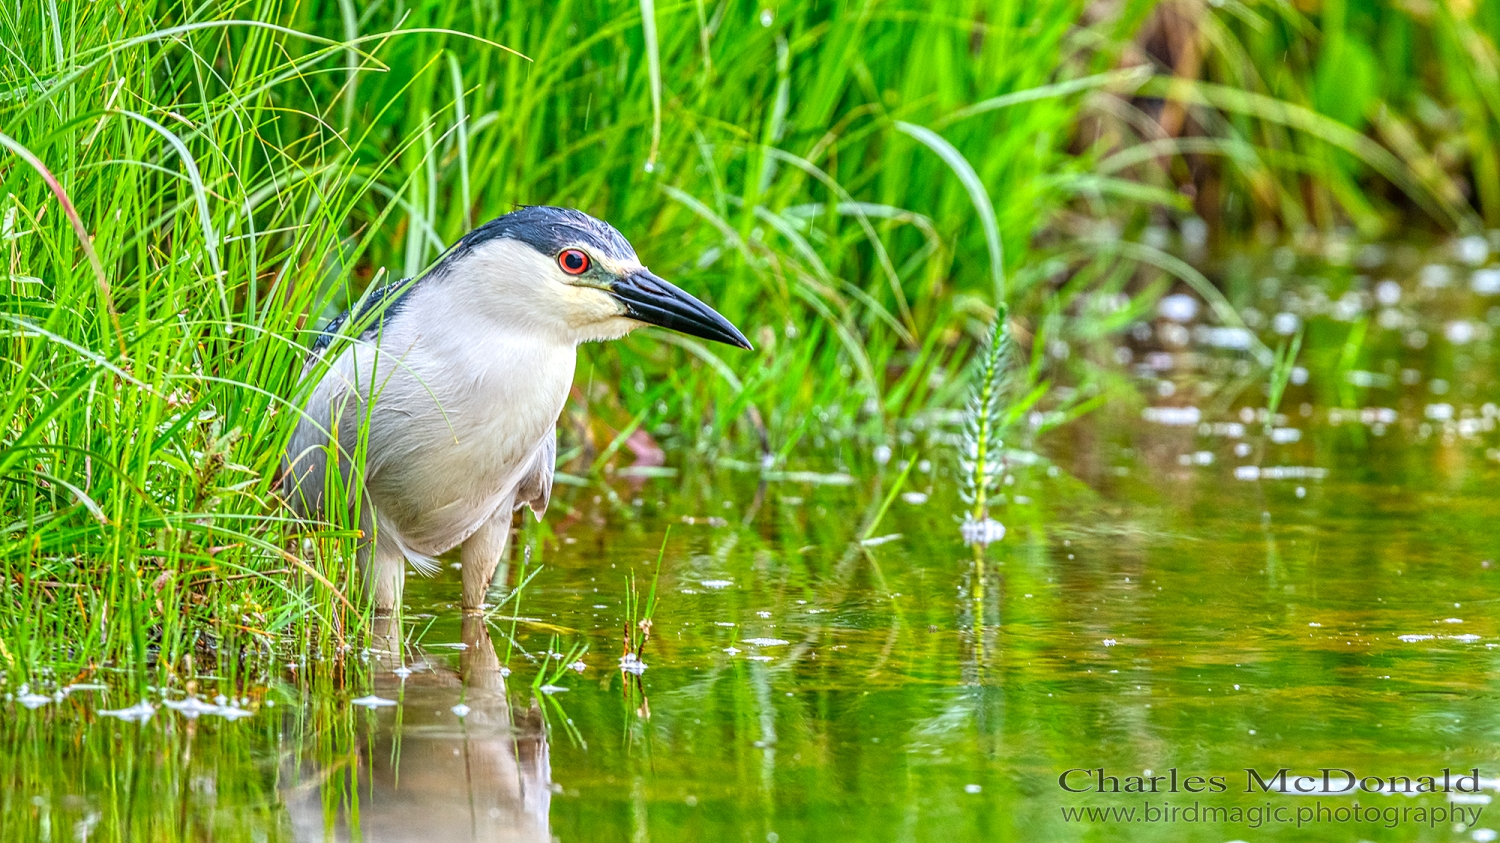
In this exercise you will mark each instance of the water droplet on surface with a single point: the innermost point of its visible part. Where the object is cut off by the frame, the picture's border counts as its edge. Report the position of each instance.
(1178, 308)
(1473, 249)
(138, 713)
(1485, 282)
(1173, 416)
(1436, 276)
(983, 532)
(1460, 332)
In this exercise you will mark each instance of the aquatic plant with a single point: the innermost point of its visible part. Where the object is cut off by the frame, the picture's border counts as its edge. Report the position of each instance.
(981, 459)
(1280, 376)
(555, 665)
(637, 624)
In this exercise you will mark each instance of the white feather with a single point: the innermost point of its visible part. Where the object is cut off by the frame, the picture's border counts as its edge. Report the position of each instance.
(463, 389)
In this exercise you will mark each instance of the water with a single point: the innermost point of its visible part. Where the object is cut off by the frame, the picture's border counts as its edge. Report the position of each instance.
(1192, 589)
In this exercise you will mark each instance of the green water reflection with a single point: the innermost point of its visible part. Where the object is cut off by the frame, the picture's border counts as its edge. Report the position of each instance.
(1156, 605)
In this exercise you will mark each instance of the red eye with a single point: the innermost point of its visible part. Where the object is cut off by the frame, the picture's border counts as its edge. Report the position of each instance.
(573, 261)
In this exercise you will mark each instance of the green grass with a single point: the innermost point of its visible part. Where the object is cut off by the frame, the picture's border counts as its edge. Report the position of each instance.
(1351, 115)
(188, 191)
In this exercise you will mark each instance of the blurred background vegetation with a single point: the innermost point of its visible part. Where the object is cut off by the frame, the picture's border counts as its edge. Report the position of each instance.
(187, 192)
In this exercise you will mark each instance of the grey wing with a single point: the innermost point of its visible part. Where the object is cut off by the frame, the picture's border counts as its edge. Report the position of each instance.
(305, 465)
(535, 489)
(302, 468)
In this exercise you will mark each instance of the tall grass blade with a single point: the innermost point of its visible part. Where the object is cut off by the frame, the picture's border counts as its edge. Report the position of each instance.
(653, 73)
(978, 195)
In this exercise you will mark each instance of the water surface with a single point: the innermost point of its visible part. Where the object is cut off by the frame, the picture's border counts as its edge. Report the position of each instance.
(1187, 583)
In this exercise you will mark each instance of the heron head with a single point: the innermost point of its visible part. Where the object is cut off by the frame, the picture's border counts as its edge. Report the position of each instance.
(565, 271)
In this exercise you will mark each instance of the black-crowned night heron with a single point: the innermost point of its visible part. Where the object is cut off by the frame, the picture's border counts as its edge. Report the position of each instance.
(455, 389)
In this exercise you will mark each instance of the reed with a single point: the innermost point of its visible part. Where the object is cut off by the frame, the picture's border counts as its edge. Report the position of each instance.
(188, 192)
(1350, 114)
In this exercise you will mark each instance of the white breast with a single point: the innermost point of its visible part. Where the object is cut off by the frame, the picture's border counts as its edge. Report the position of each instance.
(458, 411)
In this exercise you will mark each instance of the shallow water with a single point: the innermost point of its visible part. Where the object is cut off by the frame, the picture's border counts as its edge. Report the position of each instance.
(1186, 591)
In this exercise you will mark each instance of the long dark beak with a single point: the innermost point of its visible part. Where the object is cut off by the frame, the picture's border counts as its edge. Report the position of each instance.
(654, 301)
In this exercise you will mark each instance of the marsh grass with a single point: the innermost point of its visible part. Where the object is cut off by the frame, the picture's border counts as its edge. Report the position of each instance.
(554, 669)
(1346, 114)
(143, 784)
(1281, 377)
(187, 193)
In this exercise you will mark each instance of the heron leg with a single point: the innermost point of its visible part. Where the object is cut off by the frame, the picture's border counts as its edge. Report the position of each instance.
(385, 569)
(482, 553)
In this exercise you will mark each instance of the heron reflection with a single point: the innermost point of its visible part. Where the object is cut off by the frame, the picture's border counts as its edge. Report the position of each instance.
(425, 773)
